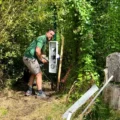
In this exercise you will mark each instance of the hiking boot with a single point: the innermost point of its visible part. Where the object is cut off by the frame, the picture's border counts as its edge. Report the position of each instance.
(41, 95)
(28, 93)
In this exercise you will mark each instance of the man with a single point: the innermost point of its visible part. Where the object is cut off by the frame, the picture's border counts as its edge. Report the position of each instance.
(32, 56)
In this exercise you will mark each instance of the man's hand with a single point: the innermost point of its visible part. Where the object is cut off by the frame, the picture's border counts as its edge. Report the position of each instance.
(43, 60)
(41, 57)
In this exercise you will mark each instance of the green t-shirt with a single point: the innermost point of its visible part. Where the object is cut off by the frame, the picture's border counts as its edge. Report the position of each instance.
(39, 42)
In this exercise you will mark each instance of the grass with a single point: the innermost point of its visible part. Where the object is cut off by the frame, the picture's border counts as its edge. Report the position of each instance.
(15, 106)
(3, 112)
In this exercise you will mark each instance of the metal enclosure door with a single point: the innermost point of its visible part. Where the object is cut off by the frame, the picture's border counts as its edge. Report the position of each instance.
(53, 52)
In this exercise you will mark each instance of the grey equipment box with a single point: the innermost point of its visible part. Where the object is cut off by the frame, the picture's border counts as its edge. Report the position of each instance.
(53, 53)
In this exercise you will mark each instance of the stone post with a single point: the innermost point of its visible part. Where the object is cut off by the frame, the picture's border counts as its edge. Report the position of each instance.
(112, 91)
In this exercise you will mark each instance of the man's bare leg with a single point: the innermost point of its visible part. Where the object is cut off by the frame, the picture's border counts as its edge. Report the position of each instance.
(31, 80)
(39, 81)
(30, 84)
(40, 94)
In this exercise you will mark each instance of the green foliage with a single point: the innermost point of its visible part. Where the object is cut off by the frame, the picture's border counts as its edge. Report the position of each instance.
(101, 111)
(95, 31)
(106, 29)
(79, 45)
(114, 115)
(90, 28)
(91, 33)
(18, 27)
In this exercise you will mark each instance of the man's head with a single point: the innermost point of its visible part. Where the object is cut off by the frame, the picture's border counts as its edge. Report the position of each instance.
(50, 34)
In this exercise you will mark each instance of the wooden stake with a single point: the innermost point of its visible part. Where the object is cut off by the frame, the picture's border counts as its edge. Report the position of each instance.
(81, 116)
(60, 63)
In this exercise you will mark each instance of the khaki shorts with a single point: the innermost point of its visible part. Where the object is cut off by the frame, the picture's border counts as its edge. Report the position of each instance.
(32, 65)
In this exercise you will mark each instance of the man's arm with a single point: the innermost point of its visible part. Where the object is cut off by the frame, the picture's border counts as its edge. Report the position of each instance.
(39, 55)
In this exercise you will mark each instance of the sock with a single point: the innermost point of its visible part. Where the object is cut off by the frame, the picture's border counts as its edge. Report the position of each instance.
(30, 88)
(40, 91)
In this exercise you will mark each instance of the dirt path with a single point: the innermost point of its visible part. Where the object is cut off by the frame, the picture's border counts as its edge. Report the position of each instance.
(15, 106)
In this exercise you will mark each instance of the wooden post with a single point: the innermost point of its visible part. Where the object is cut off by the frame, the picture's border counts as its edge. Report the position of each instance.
(60, 63)
(81, 116)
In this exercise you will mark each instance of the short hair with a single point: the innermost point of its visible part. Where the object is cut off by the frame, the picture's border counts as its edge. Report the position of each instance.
(51, 30)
